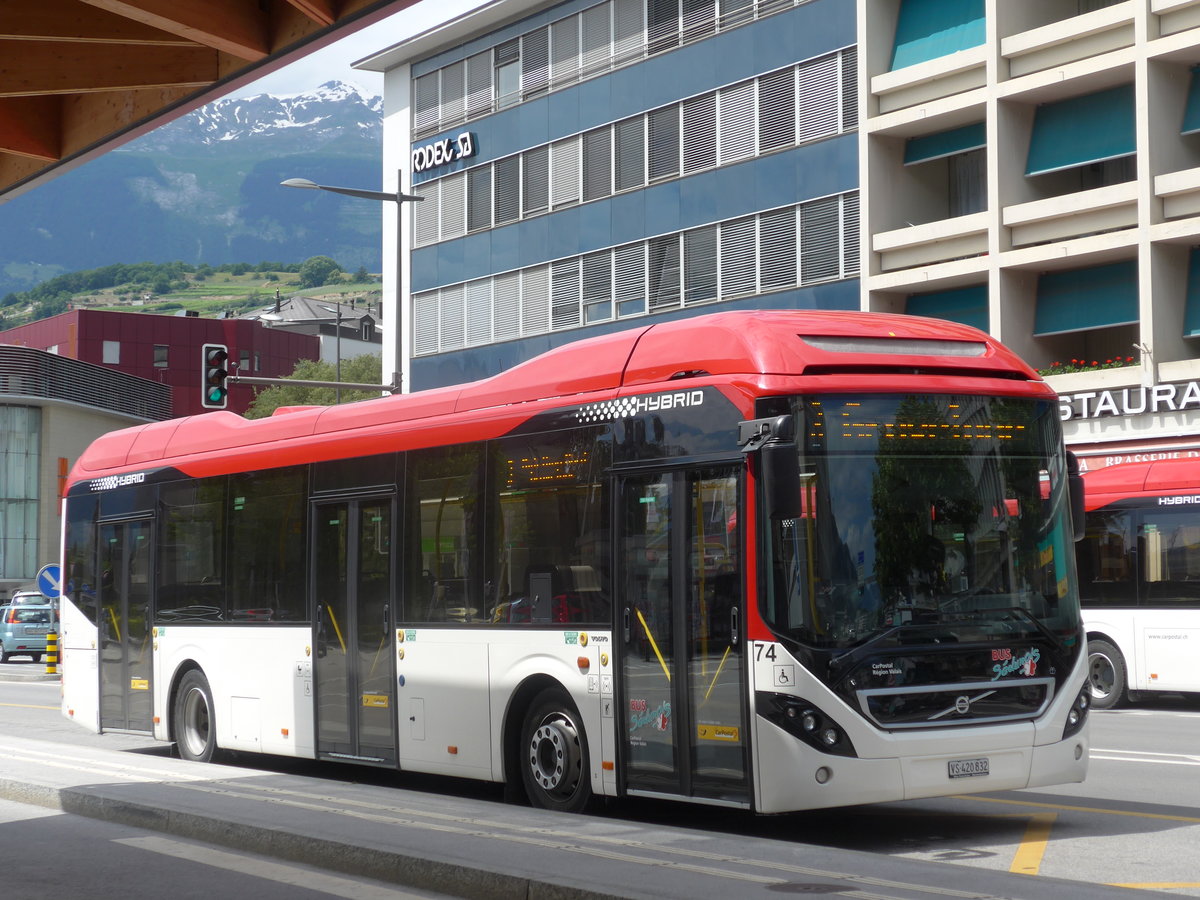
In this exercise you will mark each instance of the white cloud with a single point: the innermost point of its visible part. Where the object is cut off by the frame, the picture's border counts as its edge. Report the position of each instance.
(332, 63)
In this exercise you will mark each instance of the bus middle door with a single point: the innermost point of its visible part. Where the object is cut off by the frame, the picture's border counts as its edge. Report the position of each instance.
(125, 598)
(683, 682)
(354, 669)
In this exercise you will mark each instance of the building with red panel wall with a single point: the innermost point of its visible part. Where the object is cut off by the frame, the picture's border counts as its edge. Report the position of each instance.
(167, 349)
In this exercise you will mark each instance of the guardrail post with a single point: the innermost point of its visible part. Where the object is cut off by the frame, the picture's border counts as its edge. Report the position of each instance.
(52, 654)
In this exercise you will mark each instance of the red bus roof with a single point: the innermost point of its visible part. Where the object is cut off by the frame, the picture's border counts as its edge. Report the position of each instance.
(716, 347)
(1141, 479)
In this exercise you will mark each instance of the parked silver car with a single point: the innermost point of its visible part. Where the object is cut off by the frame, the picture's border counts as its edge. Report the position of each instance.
(23, 630)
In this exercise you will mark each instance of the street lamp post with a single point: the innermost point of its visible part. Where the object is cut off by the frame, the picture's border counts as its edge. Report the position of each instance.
(402, 323)
(337, 345)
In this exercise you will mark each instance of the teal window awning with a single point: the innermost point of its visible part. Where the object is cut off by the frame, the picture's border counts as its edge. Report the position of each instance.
(1082, 130)
(1191, 112)
(1191, 309)
(945, 143)
(928, 29)
(967, 305)
(1083, 299)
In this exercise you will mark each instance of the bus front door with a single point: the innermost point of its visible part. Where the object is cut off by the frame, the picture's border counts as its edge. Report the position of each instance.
(683, 689)
(355, 679)
(125, 600)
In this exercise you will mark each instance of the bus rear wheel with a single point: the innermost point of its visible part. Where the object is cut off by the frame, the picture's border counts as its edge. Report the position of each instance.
(554, 757)
(195, 730)
(1106, 674)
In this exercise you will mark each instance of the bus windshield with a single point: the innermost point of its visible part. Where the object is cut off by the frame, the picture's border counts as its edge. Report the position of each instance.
(925, 518)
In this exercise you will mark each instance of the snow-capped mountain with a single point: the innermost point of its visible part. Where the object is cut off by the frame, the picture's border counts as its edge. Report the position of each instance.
(332, 111)
(205, 189)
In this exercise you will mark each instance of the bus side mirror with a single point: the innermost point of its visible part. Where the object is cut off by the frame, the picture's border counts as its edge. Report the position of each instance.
(778, 463)
(1075, 492)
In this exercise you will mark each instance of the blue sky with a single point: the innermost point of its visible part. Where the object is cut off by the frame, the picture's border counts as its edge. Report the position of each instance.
(333, 62)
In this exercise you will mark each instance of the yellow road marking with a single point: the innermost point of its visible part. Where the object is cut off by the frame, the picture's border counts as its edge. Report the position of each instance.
(1158, 885)
(1028, 858)
(27, 706)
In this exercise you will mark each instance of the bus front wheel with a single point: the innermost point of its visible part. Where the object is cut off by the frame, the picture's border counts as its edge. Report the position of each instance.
(195, 731)
(554, 757)
(1106, 674)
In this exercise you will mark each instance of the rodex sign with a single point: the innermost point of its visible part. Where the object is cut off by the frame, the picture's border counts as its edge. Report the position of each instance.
(443, 152)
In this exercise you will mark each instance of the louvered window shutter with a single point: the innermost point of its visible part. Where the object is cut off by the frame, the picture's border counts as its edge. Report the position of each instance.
(629, 277)
(454, 206)
(535, 177)
(739, 257)
(535, 300)
(663, 143)
(564, 172)
(777, 110)
(777, 249)
(818, 112)
(736, 111)
(564, 294)
(597, 163)
(699, 133)
(507, 190)
(819, 240)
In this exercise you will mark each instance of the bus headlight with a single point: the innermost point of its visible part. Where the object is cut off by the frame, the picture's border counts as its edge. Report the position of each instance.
(805, 721)
(1078, 713)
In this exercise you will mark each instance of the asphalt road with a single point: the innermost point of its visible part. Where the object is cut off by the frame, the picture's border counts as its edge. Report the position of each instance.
(1135, 822)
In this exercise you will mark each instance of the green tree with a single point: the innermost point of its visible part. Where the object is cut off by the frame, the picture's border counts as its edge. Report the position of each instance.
(366, 369)
(318, 270)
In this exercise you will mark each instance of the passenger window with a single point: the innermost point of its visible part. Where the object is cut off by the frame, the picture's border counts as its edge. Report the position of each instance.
(444, 524)
(548, 561)
(1106, 560)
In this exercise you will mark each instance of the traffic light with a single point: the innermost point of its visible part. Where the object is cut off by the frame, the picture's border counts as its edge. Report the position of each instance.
(212, 376)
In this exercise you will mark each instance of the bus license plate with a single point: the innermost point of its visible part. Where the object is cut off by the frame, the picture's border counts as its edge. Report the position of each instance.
(968, 768)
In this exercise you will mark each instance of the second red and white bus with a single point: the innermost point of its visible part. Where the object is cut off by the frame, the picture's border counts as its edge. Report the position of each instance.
(772, 560)
(1139, 571)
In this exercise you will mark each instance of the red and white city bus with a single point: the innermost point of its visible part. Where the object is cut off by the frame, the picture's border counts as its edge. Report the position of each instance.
(771, 560)
(1139, 575)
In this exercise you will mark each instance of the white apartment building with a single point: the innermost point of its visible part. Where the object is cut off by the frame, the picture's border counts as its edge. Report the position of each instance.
(1033, 167)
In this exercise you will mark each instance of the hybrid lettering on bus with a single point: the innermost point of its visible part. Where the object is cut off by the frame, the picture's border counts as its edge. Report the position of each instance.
(1139, 569)
(772, 560)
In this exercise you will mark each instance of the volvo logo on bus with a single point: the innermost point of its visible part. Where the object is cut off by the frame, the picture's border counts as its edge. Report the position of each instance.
(625, 407)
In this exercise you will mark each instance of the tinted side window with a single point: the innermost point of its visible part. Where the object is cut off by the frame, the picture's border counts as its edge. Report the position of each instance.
(1107, 561)
(192, 552)
(443, 535)
(549, 546)
(267, 515)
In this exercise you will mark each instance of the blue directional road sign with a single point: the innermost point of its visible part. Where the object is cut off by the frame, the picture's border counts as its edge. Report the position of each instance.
(49, 581)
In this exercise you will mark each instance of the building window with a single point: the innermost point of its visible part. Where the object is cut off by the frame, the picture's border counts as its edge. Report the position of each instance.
(20, 464)
(160, 356)
(112, 353)
(508, 73)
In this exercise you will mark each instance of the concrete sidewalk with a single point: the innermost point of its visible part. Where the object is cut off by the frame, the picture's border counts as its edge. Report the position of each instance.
(464, 846)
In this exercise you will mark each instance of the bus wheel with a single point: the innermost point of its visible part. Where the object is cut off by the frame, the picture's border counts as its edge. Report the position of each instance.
(1106, 674)
(554, 758)
(195, 731)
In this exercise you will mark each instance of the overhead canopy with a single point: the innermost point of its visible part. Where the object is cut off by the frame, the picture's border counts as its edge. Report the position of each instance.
(1084, 299)
(79, 77)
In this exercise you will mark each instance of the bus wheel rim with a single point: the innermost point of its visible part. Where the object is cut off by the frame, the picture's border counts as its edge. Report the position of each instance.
(1102, 675)
(196, 721)
(554, 755)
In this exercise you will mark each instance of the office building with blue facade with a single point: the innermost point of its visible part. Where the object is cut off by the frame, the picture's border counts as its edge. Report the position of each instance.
(587, 165)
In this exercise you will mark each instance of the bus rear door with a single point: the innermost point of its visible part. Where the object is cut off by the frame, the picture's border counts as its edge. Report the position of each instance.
(355, 680)
(683, 688)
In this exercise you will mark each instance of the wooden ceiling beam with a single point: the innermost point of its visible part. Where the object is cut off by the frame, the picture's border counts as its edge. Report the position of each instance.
(72, 20)
(29, 68)
(238, 27)
(31, 126)
(320, 11)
